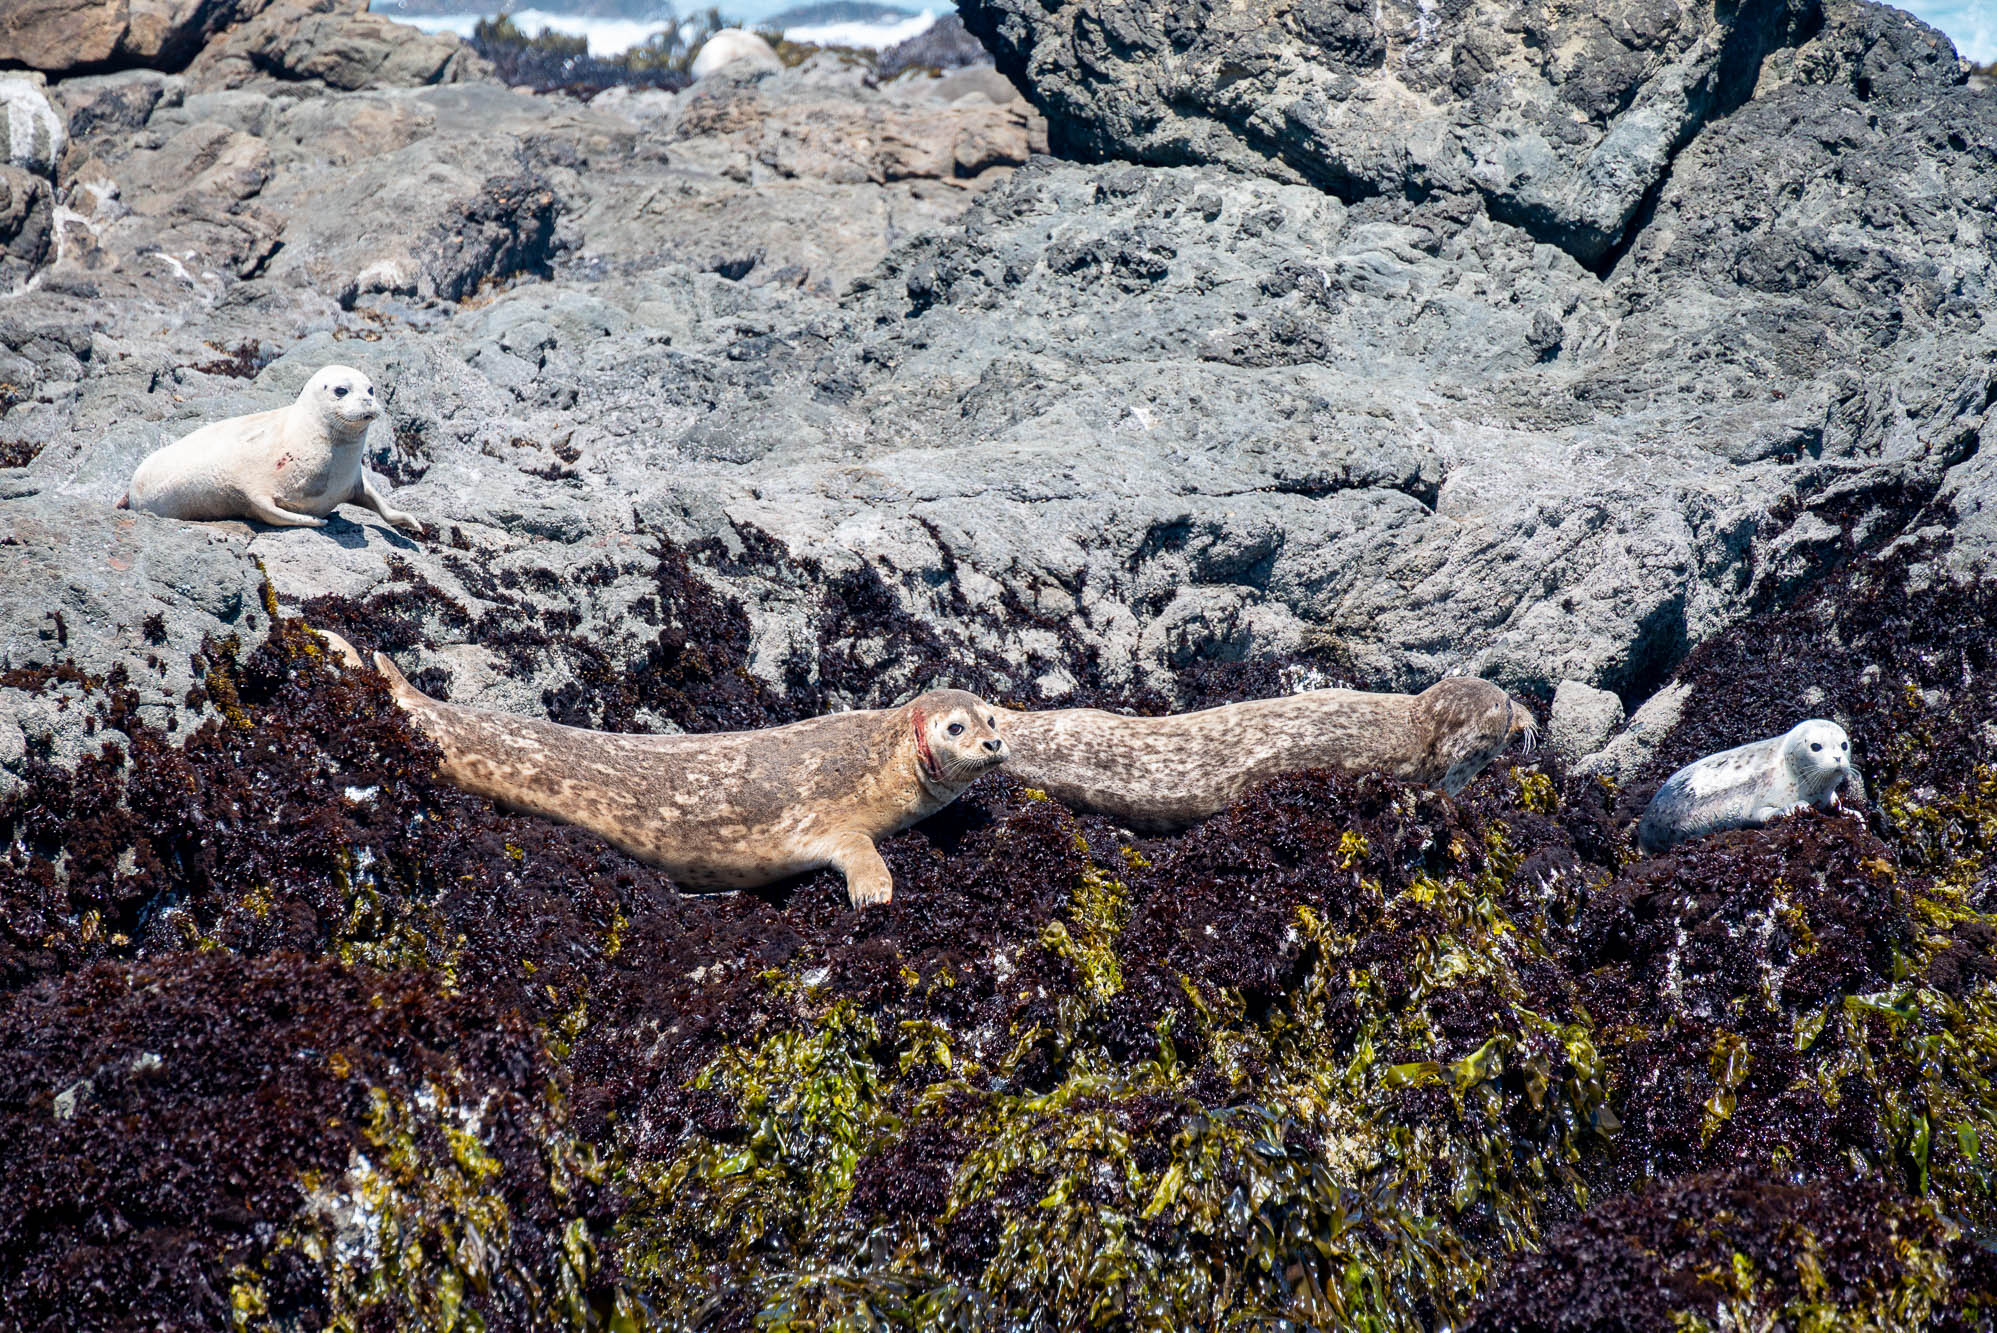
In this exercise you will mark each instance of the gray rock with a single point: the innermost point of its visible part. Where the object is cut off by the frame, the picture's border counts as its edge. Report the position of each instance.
(1087, 424)
(27, 222)
(1560, 120)
(110, 103)
(1624, 756)
(110, 598)
(337, 43)
(1583, 719)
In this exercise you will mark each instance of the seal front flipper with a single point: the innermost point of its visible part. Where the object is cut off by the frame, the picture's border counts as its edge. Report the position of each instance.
(367, 497)
(868, 880)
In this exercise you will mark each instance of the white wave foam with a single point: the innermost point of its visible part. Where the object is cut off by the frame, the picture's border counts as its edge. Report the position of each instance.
(609, 37)
(874, 36)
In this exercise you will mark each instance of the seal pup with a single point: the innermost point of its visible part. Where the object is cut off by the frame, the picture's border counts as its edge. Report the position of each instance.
(731, 46)
(1164, 772)
(1749, 785)
(725, 810)
(290, 466)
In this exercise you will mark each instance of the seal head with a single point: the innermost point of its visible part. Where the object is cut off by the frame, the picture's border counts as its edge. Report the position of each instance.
(1818, 756)
(344, 399)
(956, 740)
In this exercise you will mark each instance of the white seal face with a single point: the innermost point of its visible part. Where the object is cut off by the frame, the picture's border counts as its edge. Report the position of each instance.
(1818, 753)
(344, 398)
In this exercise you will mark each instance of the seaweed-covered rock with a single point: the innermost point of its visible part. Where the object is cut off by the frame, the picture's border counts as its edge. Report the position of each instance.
(737, 405)
(1740, 1248)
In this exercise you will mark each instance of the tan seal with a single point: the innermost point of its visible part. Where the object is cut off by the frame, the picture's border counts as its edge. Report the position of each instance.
(291, 466)
(725, 810)
(1164, 772)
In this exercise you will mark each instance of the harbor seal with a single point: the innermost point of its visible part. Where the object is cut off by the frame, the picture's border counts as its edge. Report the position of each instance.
(1749, 785)
(290, 466)
(732, 46)
(1165, 772)
(725, 810)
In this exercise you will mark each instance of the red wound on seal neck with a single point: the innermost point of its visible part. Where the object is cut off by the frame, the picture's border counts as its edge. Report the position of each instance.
(922, 754)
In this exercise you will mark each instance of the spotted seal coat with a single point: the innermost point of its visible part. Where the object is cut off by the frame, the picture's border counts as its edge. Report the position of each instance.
(725, 810)
(291, 466)
(1749, 785)
(1166, 772)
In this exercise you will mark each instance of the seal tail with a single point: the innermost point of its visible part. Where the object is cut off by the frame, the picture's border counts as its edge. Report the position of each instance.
(341, 649)
(349, 656)
(398, 683)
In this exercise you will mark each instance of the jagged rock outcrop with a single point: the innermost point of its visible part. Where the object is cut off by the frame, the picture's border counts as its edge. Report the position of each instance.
(226, 42)
(1560, 120)
(797, 391)
(1180, 413)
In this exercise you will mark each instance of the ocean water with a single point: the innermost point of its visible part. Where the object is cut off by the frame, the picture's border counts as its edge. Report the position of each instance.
(608, 37)
(1970, 24)
(874, 35)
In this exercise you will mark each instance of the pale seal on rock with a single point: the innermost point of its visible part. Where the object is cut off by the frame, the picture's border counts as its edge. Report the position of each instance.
(731, 46)
(1165, 772)
(290, 466)
(725, 810)
(1749, 785)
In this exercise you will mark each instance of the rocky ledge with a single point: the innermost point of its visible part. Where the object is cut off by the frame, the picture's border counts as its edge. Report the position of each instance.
(1638, 358)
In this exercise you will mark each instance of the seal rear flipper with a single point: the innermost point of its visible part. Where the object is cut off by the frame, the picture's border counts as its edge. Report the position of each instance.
(398, 683)
(124, 501)
(348, 655)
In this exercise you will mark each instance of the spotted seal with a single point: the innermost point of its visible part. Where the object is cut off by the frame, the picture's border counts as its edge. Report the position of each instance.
(1165, 772)
(1749, 785)
(290, 466)
(725, 810)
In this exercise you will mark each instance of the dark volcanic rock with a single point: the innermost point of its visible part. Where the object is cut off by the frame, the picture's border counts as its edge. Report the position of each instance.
(1562, 120)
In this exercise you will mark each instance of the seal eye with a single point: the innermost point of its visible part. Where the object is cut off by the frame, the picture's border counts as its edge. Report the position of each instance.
(956, 728)
(339, 391)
